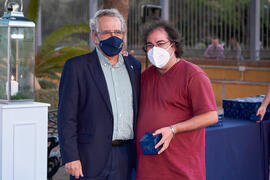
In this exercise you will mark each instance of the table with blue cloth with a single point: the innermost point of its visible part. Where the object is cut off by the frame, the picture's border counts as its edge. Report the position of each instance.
(238, 150)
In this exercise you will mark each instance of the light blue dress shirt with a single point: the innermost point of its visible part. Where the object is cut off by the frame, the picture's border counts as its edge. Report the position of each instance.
(120, 92)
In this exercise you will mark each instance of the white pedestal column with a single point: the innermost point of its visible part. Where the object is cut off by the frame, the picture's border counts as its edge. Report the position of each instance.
(23, 141)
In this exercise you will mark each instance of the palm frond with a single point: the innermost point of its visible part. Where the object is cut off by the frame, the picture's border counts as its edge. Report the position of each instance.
(49, 61)
(55, 62)
(60, 34)
(61, 55)
(49, 75)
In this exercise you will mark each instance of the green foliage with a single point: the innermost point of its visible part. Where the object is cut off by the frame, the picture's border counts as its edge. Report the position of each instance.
(21, 96)
(47, 96)
(50, 63)
(60, 34)
(47, 84)
(32, 12)
(49, 59)
(3, 94)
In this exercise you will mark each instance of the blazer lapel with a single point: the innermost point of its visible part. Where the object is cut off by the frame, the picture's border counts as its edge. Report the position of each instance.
(99, 78)
(132, 76)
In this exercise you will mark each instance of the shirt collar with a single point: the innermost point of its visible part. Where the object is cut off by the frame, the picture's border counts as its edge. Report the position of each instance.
(105, 61)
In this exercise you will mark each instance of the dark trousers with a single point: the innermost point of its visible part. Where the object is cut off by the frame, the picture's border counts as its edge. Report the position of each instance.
(119, 166)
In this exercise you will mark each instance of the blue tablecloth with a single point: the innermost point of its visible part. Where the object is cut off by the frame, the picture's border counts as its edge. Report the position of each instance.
(237, 151)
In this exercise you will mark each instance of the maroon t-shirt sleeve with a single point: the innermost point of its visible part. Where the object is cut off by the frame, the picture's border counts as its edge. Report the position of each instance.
(201, 95)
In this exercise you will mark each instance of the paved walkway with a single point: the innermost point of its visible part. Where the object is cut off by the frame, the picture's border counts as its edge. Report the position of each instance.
(61, 174)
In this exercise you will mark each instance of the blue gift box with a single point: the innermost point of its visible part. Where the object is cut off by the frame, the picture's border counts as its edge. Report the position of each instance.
(148, 142)
(244, 108)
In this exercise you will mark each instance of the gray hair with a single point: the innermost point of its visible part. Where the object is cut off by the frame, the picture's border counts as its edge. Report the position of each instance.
(106, 12)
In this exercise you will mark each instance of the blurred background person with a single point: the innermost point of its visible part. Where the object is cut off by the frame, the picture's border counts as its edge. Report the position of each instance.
(234, 50)
(214, 50)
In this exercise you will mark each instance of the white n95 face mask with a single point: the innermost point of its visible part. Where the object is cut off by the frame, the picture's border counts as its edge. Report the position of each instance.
(159, 57)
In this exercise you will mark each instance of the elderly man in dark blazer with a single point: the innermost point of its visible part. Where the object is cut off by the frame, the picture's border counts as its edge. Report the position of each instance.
(98, 105)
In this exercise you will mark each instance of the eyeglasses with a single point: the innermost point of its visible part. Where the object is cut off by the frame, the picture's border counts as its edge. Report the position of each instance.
(160, 44)
(118, 33)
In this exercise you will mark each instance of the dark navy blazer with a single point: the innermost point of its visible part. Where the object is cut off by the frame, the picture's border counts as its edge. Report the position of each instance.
(85, 119)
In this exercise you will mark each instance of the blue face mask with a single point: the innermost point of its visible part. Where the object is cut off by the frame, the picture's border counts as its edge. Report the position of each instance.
(111, 46)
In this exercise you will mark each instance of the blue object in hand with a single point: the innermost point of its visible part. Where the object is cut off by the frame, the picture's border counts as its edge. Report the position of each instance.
(148, 142)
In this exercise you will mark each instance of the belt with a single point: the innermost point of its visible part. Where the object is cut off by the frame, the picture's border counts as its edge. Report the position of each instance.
(119, 142)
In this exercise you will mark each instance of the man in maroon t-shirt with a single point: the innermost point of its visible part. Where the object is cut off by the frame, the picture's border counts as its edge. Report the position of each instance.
(176, 101)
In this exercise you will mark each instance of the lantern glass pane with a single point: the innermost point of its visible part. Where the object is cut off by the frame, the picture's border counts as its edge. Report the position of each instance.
(22, 63)
(3, 63)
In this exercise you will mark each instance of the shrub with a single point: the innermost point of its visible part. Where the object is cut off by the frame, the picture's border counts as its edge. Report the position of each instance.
(49, 96)
(47, 84)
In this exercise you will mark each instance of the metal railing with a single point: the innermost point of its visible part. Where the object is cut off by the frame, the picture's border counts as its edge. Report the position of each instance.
(201, 20)
(135, 23)
(198, 21)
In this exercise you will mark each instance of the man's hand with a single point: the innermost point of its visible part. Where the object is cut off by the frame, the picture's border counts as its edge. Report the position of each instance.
(167, 136)
(74, 168)
(126, 53)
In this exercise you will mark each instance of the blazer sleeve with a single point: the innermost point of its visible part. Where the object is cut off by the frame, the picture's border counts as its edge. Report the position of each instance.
(68, 112)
